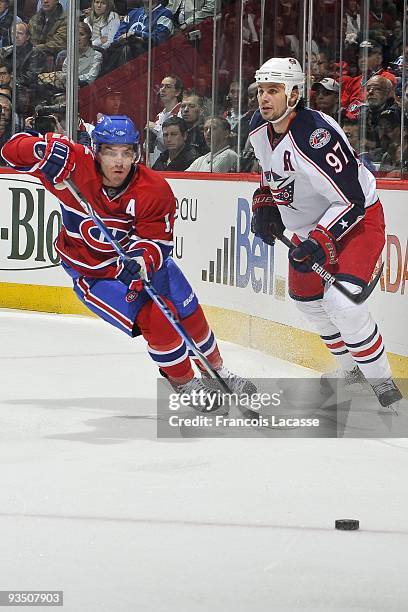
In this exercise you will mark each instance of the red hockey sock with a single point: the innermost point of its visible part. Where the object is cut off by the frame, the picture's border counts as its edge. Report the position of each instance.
(165, 346)
(196, 326)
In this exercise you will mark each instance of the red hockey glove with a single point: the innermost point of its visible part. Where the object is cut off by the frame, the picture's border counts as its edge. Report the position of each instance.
(266, 220)
(135, 269)
(262, 197)
(58, 153)
(319, 248)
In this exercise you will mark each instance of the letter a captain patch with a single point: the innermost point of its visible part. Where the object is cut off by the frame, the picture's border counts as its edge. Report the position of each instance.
(287, 164)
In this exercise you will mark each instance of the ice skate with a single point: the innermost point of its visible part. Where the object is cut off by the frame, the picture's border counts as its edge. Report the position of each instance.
(203, 398)
(388, 395)
(236, 383)
(347, 377)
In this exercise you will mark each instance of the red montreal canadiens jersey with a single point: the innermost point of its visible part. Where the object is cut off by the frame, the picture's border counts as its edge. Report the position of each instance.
(313, 173)
(141, 216)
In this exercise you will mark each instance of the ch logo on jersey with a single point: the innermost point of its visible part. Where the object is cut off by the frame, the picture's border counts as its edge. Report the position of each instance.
(120, 230)
(131, 296)
(319, 138)
(282, 189)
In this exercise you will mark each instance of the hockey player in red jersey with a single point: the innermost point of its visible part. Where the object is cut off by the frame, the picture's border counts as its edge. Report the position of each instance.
(138, 207)
(313, 184)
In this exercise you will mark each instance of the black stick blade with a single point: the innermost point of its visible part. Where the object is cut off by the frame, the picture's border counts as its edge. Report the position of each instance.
(361, 297)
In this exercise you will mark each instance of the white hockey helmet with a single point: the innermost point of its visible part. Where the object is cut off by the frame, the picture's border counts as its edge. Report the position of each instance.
(286, 70)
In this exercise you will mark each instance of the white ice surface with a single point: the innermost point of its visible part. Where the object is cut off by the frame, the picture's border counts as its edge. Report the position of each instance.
(92, 503)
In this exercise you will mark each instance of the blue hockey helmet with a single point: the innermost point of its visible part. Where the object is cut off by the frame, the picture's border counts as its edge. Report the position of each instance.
(115, 130)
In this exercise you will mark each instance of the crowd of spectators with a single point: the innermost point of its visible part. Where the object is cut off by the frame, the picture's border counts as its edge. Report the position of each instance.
(356, 74)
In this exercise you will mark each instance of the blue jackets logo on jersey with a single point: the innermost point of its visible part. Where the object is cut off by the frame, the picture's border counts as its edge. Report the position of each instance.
(95, 239)
(319, 138)
(282, 189)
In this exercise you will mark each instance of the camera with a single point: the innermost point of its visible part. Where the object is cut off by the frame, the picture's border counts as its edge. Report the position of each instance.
(44, 117)
(56, 109)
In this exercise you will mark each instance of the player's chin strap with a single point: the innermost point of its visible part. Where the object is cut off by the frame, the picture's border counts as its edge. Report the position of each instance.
(285, 114)
(288, 110)
(330, 279)
(150, 290)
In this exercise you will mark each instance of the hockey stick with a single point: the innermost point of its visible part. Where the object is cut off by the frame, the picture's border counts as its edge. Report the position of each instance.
(150, 290)
(330, 279)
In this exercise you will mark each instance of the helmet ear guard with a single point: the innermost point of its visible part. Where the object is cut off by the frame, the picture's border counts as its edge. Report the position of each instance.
(138, 153)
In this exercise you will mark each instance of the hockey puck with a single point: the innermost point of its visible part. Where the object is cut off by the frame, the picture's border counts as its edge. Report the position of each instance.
(347, 524)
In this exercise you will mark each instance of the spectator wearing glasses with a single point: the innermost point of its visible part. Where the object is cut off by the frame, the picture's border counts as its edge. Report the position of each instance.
(380, 98)
(29, 60)
(370, 63)
(178, 155)
(170, 92)
(327, 97)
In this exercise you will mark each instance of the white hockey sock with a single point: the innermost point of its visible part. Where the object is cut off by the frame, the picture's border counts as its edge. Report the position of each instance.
(329, 333)
(338, 349)
(359, 332)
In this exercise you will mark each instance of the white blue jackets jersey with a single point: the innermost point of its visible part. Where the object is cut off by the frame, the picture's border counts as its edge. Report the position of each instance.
(313, 173)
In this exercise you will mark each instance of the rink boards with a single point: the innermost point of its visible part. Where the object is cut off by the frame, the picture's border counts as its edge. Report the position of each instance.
(242, 281)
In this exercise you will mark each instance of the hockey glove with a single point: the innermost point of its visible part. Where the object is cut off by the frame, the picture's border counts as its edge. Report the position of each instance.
(319, 248)
(58, 157)
(132, 271)
(266, 220)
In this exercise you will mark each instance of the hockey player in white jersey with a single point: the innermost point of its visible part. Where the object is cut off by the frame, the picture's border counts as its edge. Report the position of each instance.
(313, 184)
